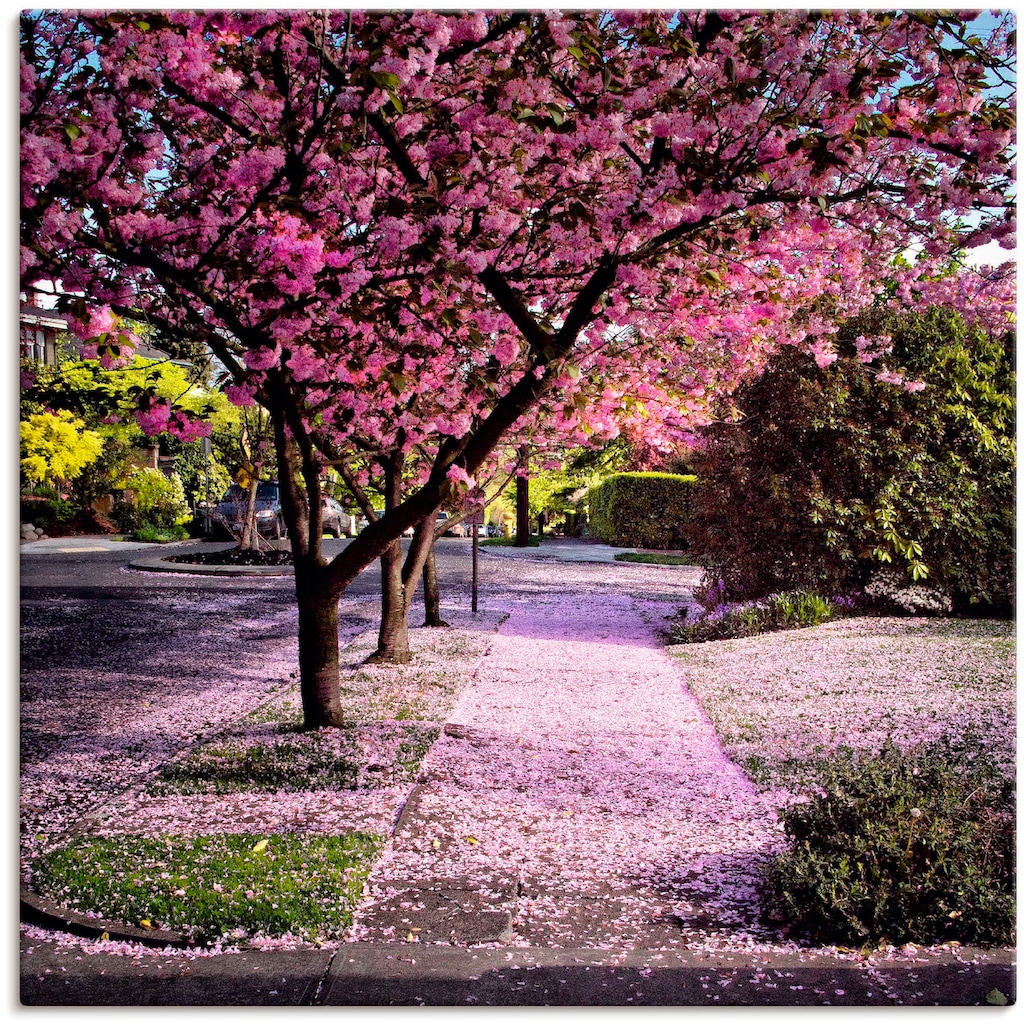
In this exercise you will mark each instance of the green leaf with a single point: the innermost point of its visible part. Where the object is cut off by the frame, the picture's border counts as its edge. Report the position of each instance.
(996, 998)
(72, 131)
(386, 80)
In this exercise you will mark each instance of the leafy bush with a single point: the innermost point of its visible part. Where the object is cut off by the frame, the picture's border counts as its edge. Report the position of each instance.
(150, 534)
(792, 610)
(56, 448)
(159, 500)
(914, 846)
(533, 541)
(647, 510)
(828, 474)
(46, 512)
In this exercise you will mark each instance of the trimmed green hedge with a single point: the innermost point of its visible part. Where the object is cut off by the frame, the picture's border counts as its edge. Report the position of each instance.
(643, 510)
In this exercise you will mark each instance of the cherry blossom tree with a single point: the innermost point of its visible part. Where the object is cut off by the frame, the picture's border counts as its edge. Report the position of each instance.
(472, 213)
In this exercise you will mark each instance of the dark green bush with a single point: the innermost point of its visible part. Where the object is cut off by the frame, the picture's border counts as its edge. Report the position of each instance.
(791, 610)
(828, 474)
(914, 846)
(47, 512)
(645, 510)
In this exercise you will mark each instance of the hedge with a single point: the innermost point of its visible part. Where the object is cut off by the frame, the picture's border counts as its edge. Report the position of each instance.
(643, 510)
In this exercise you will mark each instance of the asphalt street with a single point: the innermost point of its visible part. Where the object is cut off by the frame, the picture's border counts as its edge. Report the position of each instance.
(82, 564)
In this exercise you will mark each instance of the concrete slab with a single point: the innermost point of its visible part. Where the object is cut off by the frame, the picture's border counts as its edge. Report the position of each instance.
(375, 975)
(61, 976)
(457, 916)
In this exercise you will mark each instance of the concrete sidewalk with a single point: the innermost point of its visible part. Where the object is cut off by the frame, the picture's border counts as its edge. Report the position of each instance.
(93, 542)
(571, 549)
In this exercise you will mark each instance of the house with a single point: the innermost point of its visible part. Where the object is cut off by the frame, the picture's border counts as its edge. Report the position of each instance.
(40, 327)
(39, 330)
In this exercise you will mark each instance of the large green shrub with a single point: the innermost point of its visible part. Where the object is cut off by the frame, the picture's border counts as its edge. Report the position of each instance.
(644, 510)
(914, 846)
(827, 475)
(56, 448)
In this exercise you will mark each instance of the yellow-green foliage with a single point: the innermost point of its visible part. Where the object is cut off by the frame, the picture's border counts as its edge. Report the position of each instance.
(644, 510)
(56, 447)
(159, 499)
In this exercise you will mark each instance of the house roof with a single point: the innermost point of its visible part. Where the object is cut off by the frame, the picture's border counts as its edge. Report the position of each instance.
(38, 317)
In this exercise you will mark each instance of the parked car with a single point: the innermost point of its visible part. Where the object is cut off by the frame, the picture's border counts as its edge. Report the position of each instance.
(455, 530)
(364, 523)
(229, 514)
(486, 530)
(335, 519)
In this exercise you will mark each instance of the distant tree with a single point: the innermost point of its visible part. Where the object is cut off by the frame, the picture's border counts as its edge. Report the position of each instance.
(828, 473)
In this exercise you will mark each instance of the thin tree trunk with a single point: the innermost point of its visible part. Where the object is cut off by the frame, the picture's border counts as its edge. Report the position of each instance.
(249, 540)
(522, 501)
(396, 595)
(431, 592)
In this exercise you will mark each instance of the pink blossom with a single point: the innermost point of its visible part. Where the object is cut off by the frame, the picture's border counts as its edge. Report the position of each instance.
(462, 480)
(240, 394)
(262, 358)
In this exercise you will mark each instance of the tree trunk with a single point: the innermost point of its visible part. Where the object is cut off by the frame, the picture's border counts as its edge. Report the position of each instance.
(393, 639)
(431, 592)
(249, 539)
(318, 652)
(396, 595)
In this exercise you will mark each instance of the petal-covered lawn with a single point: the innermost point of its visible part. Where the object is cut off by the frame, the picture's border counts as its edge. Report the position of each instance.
(781, 701)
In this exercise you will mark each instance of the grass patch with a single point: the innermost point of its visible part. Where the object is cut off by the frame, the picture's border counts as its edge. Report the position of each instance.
(395, 713)
(651, 559)
(366, 757)
(782, 703)
(216, 886)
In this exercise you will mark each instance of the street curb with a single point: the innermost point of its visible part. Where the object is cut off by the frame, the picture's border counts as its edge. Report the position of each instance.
(45, 913)
(198, 569)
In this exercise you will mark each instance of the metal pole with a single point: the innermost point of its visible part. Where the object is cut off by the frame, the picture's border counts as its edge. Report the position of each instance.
(207, 446)
(476, 543)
